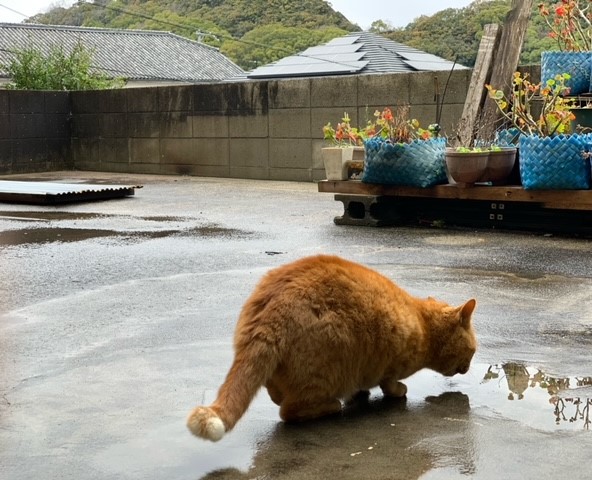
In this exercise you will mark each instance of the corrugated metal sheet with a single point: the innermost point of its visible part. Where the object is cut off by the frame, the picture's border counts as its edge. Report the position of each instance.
(48, 193)
(133, 54)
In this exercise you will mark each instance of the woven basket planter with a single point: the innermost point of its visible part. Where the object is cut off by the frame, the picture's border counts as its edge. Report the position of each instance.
(555, 163)
(577, 64)
(417, 164)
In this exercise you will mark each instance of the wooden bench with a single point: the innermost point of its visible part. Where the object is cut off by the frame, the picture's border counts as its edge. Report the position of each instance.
(507, 207)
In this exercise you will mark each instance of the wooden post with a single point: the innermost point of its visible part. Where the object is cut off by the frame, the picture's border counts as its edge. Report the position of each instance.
(506, 61)
(476, 93)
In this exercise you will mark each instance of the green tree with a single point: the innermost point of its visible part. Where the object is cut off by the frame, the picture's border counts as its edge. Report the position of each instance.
(271, 42)
(31, 69)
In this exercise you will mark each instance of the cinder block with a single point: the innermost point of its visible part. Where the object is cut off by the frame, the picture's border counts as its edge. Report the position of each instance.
(249, 125)
(113, 125)
(4, 101)
(290, 153)
(5, 156)
(210, 98)
(144, 150)
(176, 98)
(143, 125)
(85, 125)
(247, 97)
(179, 151)
(85, 151)
(57, 102)
(56, 125)
(434, 87)
(176, 125)
(289, 123)
(27, 126)
(26, 101)
(142, 99)
(85, 102)
(211, 152)
(249, 152)
(114, 150)
(289, 93)
(334, 91)
(112, 101)
(210, 125)
(383, 90)
(4, 126)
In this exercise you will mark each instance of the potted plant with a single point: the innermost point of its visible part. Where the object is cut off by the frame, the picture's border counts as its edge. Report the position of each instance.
(402, 153)
(571, 28)
(491, 164)
(345, 156)
(551, 156)
(466, 165)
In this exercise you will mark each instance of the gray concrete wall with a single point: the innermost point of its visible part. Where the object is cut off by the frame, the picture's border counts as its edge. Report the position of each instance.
(34, 131)
(259, 130)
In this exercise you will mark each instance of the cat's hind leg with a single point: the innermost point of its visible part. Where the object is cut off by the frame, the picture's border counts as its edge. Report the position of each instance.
(275, 393)
(393, 388)
(292, 411)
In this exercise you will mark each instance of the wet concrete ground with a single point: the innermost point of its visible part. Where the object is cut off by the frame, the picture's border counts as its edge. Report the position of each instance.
(116, 318)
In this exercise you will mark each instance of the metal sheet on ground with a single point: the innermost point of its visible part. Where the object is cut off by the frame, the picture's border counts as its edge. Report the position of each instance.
(48, 193)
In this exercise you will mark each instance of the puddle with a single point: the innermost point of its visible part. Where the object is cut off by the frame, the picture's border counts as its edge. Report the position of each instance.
(50, 216)
(40, 236)
(530, 396)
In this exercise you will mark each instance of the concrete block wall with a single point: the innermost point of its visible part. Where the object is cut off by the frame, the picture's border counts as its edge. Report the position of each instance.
(34, 131)
(259, 130)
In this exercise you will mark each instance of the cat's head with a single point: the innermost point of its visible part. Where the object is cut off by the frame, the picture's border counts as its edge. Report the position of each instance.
(456, 343)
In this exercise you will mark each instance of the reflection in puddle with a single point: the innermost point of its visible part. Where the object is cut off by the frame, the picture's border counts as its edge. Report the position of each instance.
(38, 236)
(567, 397)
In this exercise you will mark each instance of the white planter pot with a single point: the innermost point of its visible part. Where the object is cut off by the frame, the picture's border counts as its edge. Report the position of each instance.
(341, 162)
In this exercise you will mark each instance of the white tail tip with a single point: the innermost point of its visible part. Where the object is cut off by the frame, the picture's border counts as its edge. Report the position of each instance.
(204, 423)
(215, 429)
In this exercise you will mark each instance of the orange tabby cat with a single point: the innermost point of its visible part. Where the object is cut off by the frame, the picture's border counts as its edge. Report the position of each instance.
(322, 329)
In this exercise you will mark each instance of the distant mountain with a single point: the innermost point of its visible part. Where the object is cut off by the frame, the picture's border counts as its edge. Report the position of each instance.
(256, 32)
(266, 29)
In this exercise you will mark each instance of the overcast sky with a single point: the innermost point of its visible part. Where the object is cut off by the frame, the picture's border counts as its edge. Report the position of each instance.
(363, 12)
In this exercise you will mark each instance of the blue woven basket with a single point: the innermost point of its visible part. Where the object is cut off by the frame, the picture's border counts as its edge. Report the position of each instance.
(577, 64)
(507, 137)
(554, 163)
(420, 163)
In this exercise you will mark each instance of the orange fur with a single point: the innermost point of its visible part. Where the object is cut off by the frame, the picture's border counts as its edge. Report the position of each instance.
(322, 329)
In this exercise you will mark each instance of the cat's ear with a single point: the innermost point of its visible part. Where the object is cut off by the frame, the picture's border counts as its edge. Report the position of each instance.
(466, 311)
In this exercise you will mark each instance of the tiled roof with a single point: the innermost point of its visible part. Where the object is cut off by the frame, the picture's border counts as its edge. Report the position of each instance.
(358, 52)
(133, 54)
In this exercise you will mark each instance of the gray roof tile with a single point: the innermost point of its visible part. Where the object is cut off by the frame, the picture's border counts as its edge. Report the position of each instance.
(133, 54)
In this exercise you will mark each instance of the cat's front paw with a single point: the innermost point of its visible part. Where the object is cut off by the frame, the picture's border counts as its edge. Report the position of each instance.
(203, 422)
(393, 388)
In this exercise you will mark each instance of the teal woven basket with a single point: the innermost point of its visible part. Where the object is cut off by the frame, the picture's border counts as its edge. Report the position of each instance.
(420, 163)
(577, 64)
(555, 163)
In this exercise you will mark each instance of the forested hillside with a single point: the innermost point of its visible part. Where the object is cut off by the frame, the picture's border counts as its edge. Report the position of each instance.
(251, 32)
(455, 33)
(255, 32)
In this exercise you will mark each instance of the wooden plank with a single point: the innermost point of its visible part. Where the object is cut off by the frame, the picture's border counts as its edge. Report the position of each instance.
(465, 133)
(506, 61)
(555, 199)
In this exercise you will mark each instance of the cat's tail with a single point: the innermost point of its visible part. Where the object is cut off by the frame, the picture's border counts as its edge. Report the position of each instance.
(253, 365)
